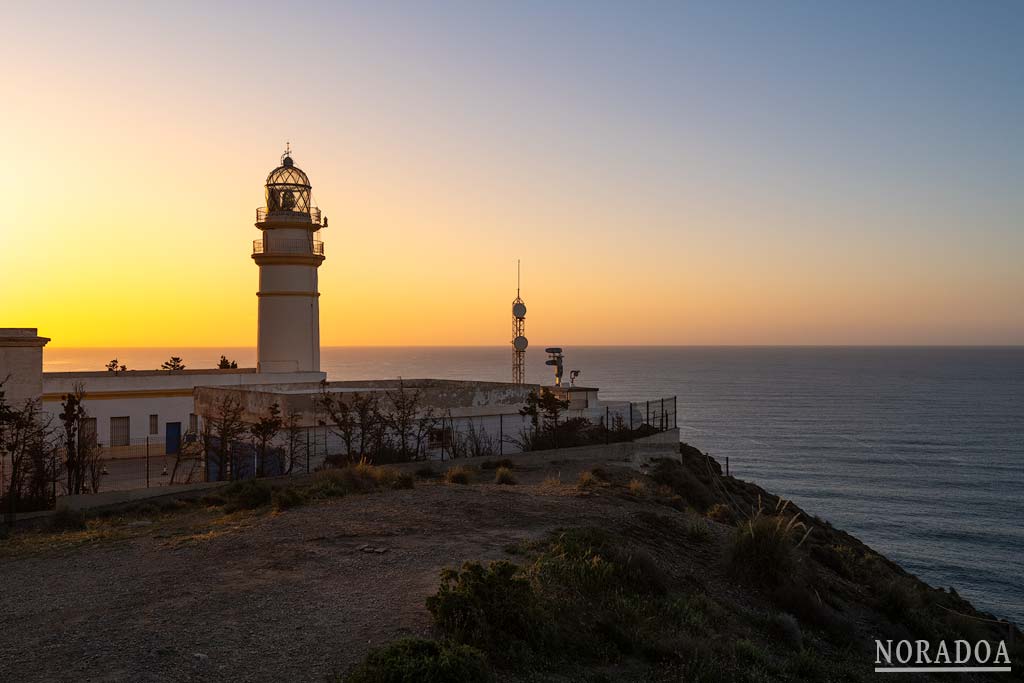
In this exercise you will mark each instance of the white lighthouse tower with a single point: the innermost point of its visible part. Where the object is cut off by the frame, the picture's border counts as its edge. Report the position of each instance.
(288, 339)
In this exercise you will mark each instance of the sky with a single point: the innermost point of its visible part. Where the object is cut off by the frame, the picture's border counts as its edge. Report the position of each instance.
(668, 173)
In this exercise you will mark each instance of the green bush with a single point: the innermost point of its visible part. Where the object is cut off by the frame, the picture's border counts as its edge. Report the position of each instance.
(68, 520)
(503, 475)
(412, 660)
(591, 563)
(492, 608)
(287, 498)
(248, 494)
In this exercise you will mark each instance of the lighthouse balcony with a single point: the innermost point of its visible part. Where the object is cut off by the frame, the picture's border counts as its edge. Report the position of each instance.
(285, 246)
(264, 215)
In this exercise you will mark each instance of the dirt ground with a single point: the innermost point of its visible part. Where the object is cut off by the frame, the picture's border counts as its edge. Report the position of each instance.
(260, 596)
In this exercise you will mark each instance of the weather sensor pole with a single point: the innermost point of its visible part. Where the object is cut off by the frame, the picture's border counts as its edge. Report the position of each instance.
(519, 342)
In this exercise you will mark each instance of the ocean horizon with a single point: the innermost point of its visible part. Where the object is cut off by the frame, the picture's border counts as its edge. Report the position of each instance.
(916, 450)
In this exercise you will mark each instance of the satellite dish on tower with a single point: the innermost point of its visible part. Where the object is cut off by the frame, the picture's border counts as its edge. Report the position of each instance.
(520, 343)
(519, 309)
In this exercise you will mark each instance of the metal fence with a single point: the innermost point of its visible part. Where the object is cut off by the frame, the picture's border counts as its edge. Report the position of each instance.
(144, 463)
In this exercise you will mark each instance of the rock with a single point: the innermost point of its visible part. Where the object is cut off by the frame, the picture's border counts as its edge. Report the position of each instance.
(200, 656)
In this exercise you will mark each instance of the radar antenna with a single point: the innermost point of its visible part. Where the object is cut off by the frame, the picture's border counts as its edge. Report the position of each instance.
(519, 341)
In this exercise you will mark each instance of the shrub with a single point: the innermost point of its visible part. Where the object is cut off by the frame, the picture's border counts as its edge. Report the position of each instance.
(248, 494)
(552, 482)
(590, 563)
(458, 475)
(587, 481)
(637, 487)
(695, 488)
(65, 519)
(426, 472)
(287, 498)
(783, 628)
(390, 478)
(503, 475)
(763, 551)
(412, 659)
(721, 513)
(697, 530)
(493, 608)
(600, 474)
(498, 464)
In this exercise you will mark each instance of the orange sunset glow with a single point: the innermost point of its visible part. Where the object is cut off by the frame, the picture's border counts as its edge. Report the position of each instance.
(137, 145)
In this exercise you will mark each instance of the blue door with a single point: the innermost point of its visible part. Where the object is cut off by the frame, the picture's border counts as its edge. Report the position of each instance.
(172, 442)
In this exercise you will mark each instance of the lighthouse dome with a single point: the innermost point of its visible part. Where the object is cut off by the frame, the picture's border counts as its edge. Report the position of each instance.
(288, 188)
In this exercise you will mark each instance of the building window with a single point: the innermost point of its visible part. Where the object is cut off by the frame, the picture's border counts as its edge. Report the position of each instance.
(120, 431)
(154, 424)
(193, 423)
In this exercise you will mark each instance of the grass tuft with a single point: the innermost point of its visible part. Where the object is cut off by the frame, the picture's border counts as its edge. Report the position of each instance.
(503, 475)
(458, 475)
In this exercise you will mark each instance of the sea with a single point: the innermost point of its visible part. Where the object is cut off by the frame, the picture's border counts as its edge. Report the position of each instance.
(917, 451)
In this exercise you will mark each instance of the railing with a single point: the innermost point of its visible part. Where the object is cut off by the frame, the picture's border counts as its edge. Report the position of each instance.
(262, 215)
(282, 246)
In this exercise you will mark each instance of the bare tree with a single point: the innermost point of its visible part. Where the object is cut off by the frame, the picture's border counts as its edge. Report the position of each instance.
(408, 421)
(293, 433)
(225, 428)
(25, 443)
(263, 433)
(82, 462)
(475, 442)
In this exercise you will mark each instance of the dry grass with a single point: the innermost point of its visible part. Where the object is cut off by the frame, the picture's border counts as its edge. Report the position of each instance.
(637, 487)
(587, 481)
(503, 475)
(458, 475)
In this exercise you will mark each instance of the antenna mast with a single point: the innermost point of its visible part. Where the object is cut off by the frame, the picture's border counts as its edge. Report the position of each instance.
(519, 341)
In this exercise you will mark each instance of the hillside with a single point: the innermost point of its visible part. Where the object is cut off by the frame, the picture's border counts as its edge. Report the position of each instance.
(614, 575)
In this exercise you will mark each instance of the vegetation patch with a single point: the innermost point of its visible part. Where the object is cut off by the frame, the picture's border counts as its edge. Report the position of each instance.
(764, 548)
(503, 475)
(248, 494)
(65, 519)
(458, 475)
(498, 464)
(411, 660)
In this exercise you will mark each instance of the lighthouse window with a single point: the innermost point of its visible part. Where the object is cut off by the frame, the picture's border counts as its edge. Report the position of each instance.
(154, 424)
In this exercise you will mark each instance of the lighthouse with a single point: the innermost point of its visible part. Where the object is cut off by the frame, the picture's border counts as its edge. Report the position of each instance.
(288, 256)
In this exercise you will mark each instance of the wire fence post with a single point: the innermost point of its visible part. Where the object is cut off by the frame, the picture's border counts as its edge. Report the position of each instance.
(675, 413)
(661, 419)
(501, 433)
(147, 462)
(648, 413)
(606, 434)
(631, 420)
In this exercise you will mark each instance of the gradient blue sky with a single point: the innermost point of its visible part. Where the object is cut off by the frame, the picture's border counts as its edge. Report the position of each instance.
(727, 172)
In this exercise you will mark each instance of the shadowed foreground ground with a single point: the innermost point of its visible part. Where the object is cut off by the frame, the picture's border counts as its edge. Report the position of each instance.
(304, 594)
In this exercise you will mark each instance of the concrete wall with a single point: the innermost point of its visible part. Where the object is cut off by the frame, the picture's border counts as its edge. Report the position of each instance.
(21, 364)
(137, 394)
